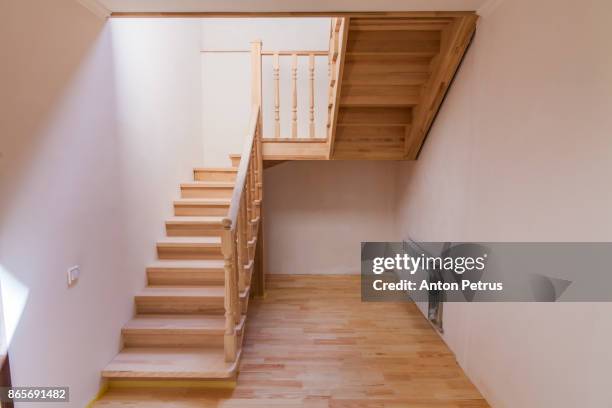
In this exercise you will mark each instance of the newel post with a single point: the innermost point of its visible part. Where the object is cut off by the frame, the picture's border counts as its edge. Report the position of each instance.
(256, 73)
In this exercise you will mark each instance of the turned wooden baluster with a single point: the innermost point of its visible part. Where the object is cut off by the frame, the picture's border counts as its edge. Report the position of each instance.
(259, 164)
(248, 200)
(294, 96)
(252, 198)
(244, 242)
(237, 308)
(228, 246)
(311, 75)
(276, 75)
(241, 244)
(254, 188)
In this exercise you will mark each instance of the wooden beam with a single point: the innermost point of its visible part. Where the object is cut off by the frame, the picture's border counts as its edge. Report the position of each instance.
(344, 30)
(454, 46)
(245, 14)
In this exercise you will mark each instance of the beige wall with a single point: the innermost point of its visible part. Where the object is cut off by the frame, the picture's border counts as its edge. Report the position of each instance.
(159, 124)
(94, 139)
(522, 151)
(318, 212)
(61, 202)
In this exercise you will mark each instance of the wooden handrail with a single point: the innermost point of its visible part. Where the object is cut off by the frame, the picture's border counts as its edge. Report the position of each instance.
(241, 176)
(339, 33)
(300, 53)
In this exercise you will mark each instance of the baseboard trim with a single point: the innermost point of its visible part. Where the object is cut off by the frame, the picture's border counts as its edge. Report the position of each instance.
(100, 394)
(225, 384)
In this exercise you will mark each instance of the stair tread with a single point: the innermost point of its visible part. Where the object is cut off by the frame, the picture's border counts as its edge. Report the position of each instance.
(191, 240)
(192, 219)
(203, 201)
(208, 184)
(188, 264)
(158, 363)
(177, 322)
(182, 291)
(187, 291)
(220, 169)
(180, 322)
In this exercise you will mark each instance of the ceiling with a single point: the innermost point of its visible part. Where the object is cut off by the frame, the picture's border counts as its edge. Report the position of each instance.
(286, 5)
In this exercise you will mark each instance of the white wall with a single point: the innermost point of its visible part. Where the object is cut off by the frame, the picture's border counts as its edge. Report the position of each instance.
(98, 124)
(61, 197)
(521, 151)
(317, 213)
(226, 79)
(157, 69)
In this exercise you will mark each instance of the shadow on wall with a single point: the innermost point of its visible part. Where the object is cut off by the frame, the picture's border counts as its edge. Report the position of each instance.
(58, 188)
(44, 68)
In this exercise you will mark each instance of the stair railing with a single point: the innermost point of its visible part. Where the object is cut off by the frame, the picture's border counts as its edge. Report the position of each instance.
(240, 229)
(332, 56)
(335, 42)
(293, 128)
(241, 226)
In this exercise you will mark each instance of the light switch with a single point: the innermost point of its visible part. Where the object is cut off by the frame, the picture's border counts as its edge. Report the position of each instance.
(73, 275)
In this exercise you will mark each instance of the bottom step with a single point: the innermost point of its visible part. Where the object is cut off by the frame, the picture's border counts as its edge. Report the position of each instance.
(176, 331)
(170, 364)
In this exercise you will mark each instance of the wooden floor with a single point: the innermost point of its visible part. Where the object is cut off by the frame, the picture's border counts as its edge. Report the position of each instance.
(312, 343)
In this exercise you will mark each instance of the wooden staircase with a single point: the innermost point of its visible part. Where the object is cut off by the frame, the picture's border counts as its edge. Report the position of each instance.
(190, 318)
(392, 77)
(388, 76)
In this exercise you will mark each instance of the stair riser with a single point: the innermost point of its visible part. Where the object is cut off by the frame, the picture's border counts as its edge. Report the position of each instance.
(188, 252)
(201, 210)
(192, 230)
(206, 192)
(174, 277)
(203, 175)
(184, 338)
(178, 305)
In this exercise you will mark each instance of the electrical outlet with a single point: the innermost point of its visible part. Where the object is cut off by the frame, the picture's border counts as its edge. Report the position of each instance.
(73, 275)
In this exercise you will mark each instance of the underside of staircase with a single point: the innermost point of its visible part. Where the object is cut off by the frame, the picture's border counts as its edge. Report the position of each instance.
(394, 75)
(389, 74)
(178, 331)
